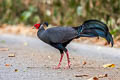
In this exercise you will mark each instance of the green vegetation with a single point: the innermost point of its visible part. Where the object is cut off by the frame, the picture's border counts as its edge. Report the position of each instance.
(61, 12)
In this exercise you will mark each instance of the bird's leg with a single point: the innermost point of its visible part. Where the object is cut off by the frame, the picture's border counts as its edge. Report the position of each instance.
(58, 66)
(68, 59)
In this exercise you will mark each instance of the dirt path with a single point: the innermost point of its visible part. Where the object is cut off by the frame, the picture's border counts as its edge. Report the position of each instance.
(34, 60)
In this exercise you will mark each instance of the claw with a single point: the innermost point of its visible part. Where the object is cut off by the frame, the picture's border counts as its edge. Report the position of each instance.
(56, 67)
(68, 66)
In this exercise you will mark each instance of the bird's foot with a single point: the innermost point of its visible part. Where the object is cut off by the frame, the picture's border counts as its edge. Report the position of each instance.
(68, 66)
(56, 67)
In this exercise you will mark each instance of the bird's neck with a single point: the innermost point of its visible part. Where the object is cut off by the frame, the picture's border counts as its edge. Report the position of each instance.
(40, 30)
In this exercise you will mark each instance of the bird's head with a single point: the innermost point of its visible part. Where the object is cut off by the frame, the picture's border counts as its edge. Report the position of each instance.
(37, 26)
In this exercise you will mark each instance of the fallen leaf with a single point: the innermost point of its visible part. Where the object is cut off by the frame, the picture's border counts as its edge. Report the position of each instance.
(7, 65)
(85, 75)
(118, 68)
(109, 65)
(98, 48)
(49, 57)
(16, 70)
(4, 49)
(11, 55)
(102, 76)
(25, 44)
(93, 78)
(32, 67)
(84, 63)
(25, 71)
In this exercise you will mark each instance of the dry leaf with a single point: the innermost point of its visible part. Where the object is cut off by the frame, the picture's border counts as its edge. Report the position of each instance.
(4, 49)
(25, 71)
(7, 64)
(102, 76)
(33, 67)
(109, 65)
(49, 57)
(11, 55)
(84, 63)
(16, 70)
(93, 78)
(25, 44)
(81, 75)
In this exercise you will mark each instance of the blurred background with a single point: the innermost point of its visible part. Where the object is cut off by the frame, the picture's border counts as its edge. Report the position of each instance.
(17, 13)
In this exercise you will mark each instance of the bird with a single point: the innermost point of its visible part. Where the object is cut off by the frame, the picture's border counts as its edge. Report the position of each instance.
(60, 37)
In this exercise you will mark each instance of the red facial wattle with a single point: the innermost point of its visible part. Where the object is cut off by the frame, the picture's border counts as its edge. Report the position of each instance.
(37, 26)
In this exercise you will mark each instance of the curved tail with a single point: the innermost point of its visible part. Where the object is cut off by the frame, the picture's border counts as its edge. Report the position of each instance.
(95, 28)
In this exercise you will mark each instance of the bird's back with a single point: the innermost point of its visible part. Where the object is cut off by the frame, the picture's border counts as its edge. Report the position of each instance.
(58, 34)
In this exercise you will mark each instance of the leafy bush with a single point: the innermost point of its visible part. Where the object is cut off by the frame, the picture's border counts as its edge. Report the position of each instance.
(61, 12)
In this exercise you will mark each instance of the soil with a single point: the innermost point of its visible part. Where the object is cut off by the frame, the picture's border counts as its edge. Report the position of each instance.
(34, 60)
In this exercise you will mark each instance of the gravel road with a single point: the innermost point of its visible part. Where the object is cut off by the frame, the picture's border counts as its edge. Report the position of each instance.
(34, 60)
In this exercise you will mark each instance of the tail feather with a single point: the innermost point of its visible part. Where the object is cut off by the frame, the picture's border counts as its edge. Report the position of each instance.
(95, 24)
(95, 28)
(110, 39)
(89, 33)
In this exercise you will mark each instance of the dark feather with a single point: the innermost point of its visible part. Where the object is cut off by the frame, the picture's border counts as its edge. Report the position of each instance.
(95, 28)
(59, 34)
(64, 35)
(95, 24)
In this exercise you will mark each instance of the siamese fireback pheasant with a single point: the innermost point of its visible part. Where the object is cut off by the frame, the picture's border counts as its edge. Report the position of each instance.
(60, 37)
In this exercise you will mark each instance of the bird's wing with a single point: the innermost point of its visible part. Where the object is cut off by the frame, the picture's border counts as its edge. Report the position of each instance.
(60, 34)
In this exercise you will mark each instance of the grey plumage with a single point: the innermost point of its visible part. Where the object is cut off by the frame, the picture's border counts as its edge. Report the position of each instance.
(59, 37)
(58, 34)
